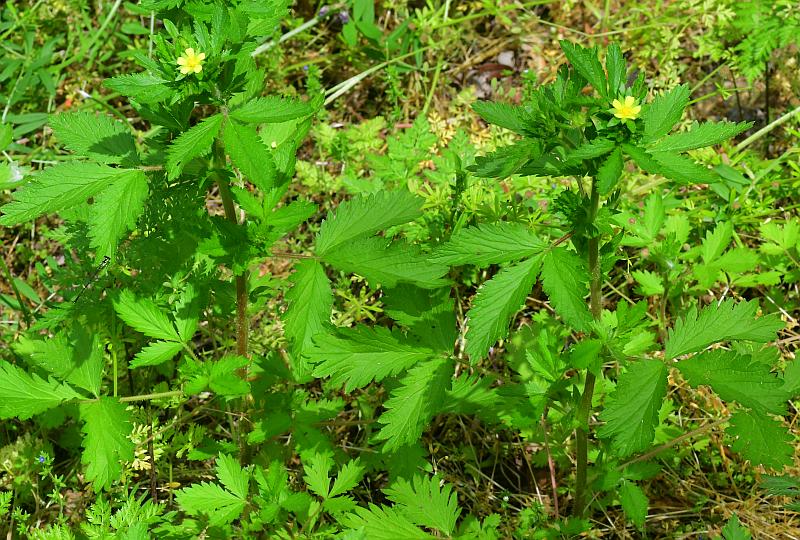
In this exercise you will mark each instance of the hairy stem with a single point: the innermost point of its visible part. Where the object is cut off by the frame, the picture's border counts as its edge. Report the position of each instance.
(585, 405)
(241, 278)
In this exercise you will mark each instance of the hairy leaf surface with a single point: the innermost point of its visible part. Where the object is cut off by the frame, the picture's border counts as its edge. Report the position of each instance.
(357, 356)
(632, 414)
(487, 244)
(720, 322)
(496, 303)
(106, 428)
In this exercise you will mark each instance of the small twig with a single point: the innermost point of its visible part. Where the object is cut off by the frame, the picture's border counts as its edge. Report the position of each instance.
(152, 455)
(669, 444)
(551, 466)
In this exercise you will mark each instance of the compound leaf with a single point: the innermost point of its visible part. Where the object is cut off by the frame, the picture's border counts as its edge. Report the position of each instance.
(664, 112)
(587, 64)
(23, 395)
(192, 143)
(357, 356)
(412, 404)
(116, 211)
(488, 244)
(632, 414)
(95, 136)
(565, 280)
(106, 428)
(720, 322)
(496, 302)
(425, 503)
(701, 135)
(143, 315)
(220, 505)
(737, 378)
(761, 439)
(59, 187)
(272, 110)
(366, 215)
(250, 155)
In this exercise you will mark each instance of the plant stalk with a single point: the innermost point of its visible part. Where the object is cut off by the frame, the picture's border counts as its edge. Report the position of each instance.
(240, 279)
(585, 405)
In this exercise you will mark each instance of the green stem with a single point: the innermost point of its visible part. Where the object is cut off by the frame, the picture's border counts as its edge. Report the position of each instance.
(26, 314)
(141, 397)
(241, 278)
(585, 406)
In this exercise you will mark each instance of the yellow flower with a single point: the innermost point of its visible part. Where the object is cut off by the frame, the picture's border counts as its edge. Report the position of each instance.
(627, 109)
(191, 62)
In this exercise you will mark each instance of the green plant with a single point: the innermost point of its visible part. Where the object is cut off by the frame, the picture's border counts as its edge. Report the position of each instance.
(224, 363)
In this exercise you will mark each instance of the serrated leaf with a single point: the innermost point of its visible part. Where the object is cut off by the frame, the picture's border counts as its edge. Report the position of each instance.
(701, 135)
(106, 427)
(487, 244)
(194, 142)
(366, 215)
(587, 64)
(682, 169)
(737, 378)
(156, 353)
(60, 187)
(142, 87)
(645, 161)
(716, 241)
(634, 503)
(565, 280)
(733, 530)
(505, 115)
(23, 395)
(250, 155)
(310, 301)
(650, 283)
(664, 112)
(115, 211)
(143, 315)
(631, 416)
(720, 322)
(357, 356)
(589, 150)
(349, 476)
(616, 69)
(496, 303)
(412, 404)
(220, 505)
(761, 439)
(507, 160)
(425, 503)
(272, 110)
(387, 264)
(609, 172)
(232, 476)
(317, 477)
(428, 315)
(95, 136)
(382, 523)
(76, 358)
